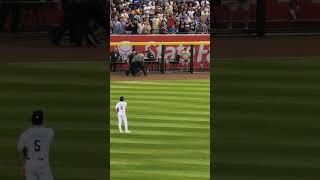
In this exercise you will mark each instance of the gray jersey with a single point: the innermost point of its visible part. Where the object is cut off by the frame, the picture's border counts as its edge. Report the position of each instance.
(138, 58)
(36, 140)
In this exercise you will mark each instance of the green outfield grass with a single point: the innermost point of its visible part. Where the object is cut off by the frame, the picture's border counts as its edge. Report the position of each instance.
(170, 135)
(266, 118)
(73, 96)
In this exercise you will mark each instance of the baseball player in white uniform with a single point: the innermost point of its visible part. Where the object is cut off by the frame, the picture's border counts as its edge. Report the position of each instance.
(121, 107)
(33, 149)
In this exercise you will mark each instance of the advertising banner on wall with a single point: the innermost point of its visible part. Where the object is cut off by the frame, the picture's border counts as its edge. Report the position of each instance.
(201, 52)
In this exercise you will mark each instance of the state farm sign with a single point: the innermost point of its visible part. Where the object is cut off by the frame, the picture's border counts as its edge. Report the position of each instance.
(201, 52)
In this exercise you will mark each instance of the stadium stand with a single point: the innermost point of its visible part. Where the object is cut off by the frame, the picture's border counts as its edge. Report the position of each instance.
(159, 16)
(282, 16)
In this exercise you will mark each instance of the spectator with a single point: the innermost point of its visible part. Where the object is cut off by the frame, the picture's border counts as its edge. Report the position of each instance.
(150, 54)
(134, 26)
(122, 25)
(163, 26)
(147, 27)
(115, 57)
(235, 6)
(140, 27)
(116, 26)
(203, 27)
(83, 18)
(294, 7)
(155, 25)
(171, 24)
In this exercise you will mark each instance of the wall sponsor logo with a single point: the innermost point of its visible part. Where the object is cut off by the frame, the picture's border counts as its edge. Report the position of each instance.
(124, 51)
(201, 53)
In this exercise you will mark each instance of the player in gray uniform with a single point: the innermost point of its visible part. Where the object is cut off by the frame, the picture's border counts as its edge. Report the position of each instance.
(34, 149)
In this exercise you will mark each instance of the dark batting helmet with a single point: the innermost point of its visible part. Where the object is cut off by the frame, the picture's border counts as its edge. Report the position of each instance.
(121, 98)
(37, 117)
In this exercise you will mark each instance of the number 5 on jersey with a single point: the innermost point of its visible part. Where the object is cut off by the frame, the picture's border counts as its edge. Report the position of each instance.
(37, 145)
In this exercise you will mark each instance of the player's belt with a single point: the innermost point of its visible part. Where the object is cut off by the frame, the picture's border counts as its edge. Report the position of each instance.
(39, 159)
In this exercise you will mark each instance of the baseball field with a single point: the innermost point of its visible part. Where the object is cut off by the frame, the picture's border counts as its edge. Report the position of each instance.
(73, 97)
(170, 122)
(266, 118)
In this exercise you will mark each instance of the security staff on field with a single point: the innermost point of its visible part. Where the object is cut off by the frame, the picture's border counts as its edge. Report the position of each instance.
(131, 69)
(138, 63)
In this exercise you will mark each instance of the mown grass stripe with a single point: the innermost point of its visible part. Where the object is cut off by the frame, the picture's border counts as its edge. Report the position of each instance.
(167, 92)
(179, 83)
(189, 100)
(164, 132)
(169, 118)
(152, 103)
(73, 97)
(165, 141)
(265, 110)
(175, 173)
(159, 87)
(164, 125)
(165, 117)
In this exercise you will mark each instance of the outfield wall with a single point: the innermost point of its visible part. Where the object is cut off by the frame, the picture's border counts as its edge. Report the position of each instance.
(201, 53)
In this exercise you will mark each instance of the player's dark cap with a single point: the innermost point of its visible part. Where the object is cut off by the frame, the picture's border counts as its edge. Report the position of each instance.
(121, 98)
(37, 117)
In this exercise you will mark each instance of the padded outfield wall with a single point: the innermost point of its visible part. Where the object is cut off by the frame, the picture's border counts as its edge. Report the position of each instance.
(201, 52)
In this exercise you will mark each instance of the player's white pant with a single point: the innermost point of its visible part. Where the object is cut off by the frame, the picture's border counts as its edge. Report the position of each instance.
(122, 117)
(38, 172)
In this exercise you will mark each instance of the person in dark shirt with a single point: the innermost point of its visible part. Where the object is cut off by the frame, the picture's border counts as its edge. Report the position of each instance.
(134, 26)
(136, 3)
(115, 57)
(131, 64)
(96, 21)
(130, 57)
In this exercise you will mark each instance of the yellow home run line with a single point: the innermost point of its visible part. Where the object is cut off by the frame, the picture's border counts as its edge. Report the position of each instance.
(159, 43)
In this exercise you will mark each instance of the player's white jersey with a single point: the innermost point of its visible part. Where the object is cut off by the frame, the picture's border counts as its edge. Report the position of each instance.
(37, 141)
(121, 106)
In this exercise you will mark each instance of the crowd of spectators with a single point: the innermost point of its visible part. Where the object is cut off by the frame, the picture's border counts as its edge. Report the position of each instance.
(159, 16)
